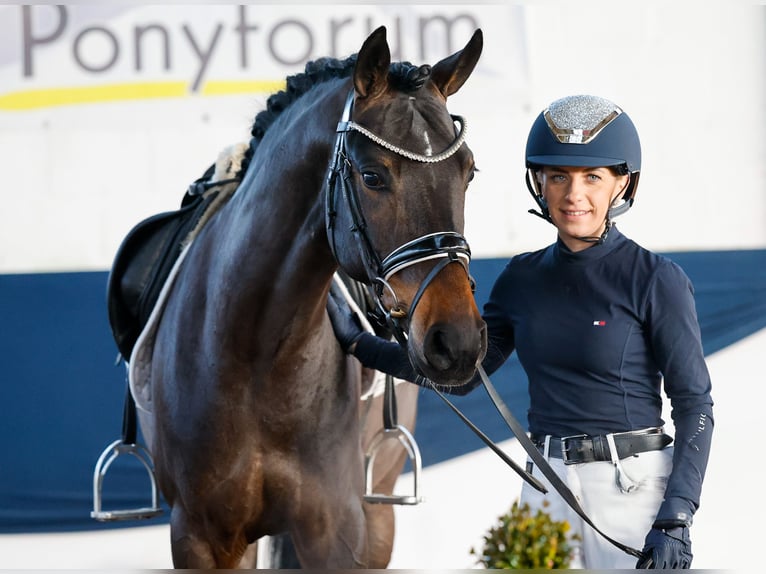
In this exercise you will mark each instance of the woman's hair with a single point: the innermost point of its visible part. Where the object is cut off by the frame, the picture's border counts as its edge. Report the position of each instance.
(621, 169)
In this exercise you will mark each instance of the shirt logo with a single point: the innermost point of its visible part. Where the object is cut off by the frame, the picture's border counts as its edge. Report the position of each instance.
(599, 323)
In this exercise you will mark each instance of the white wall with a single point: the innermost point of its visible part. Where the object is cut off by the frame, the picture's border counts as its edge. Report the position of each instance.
(77, 177)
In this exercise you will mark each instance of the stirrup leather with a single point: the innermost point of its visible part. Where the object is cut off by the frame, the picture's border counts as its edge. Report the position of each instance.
(406, 439)
(107, 457)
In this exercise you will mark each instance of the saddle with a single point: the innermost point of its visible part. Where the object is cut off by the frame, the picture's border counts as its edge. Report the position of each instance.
(147, 255)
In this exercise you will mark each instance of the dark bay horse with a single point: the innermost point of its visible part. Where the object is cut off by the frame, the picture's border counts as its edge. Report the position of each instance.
(255, 424)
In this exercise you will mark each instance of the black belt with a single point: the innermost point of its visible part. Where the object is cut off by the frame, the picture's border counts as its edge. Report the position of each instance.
(583, 448)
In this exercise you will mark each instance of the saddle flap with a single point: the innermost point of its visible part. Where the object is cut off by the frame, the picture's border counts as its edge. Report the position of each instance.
(141, 266)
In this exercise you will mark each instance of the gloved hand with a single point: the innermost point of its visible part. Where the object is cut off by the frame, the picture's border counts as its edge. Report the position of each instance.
(345, 322)
(667, 548)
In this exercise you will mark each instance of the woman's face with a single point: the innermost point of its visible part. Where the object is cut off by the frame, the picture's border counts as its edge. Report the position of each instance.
(578, 199)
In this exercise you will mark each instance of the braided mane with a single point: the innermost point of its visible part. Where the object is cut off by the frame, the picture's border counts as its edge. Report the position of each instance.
(404, 76)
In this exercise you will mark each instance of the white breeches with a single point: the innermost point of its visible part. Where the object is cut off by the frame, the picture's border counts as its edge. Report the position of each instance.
(624, 516)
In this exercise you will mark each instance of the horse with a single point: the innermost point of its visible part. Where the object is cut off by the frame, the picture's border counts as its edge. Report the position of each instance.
(253, 414)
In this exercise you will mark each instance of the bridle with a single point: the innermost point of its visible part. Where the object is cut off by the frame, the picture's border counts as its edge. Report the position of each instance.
(444, 247)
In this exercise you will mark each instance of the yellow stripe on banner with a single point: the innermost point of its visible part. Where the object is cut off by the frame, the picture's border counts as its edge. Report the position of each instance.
(51, 97)
(223, 87)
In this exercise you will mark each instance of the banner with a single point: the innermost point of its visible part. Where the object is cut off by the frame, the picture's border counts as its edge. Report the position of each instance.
(63, 55)
(108, 112)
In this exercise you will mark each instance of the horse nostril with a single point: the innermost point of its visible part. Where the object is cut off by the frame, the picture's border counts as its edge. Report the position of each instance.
(438, 348)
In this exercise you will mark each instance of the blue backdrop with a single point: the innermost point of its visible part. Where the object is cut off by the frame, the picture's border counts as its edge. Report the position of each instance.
(61, 392)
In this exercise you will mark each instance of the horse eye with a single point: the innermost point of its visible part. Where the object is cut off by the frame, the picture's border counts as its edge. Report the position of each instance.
(372, 179)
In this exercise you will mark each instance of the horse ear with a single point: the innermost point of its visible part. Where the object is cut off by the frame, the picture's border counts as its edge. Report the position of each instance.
(451, 73)
(372, 62)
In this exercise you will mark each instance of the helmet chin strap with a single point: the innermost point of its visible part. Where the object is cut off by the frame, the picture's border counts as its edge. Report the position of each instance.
(601, 238)
(541, 203)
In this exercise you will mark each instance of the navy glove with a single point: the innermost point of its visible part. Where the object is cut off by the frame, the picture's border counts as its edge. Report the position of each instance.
(345, 322)
(667, 548)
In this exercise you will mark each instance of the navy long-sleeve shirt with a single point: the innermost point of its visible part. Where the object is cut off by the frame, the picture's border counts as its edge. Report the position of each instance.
(597, 332)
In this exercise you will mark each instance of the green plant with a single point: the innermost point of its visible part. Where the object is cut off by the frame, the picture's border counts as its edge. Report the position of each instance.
(524, 541)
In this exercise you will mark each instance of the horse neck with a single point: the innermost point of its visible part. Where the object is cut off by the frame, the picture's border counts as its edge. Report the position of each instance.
(275, 224)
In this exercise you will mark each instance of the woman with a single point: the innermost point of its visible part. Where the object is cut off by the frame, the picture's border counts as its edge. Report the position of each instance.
(600, 324)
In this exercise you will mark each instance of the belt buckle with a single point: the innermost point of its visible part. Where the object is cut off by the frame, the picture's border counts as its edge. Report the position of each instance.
(565, 447)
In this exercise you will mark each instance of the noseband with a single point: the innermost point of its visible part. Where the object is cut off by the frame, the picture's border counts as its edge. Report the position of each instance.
(444, 247)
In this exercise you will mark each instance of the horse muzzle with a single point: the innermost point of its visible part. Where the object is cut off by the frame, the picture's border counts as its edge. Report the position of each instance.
(450, 354)
(447, 338)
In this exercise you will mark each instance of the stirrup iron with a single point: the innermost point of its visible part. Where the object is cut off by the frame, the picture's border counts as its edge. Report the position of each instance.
(405, 438)
(107, 457)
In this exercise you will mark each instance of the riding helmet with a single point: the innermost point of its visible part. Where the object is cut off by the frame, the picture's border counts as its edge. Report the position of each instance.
(584, 131)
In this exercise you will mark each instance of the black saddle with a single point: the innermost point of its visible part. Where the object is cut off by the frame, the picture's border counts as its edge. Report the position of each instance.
(144, 261)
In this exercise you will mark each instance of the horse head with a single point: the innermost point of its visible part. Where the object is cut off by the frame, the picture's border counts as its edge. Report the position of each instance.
(396, 200)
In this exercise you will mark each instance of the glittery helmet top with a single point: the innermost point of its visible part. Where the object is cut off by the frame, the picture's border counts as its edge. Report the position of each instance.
(583, 131)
